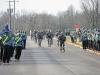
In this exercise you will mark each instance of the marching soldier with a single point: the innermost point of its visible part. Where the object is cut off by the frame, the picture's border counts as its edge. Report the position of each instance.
(52, 37)
(24, 38)
(49, 38)
(40, 37)
(7, 43)
(35, 36)
(19, 44)
(62, 40)
(12, 45)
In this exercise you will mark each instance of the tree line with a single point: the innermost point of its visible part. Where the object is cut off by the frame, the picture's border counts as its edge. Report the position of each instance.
(88, 18)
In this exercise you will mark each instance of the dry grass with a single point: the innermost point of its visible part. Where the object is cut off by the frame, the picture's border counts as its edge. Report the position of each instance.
(77, 43)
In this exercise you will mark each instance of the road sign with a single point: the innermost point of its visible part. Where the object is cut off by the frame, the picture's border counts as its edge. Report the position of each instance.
(77, 25)
(10, 10)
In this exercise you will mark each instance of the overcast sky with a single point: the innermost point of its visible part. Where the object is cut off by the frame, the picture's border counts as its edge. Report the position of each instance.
(49, 6)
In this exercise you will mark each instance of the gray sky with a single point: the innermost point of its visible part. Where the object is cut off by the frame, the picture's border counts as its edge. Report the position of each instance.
(49, 6)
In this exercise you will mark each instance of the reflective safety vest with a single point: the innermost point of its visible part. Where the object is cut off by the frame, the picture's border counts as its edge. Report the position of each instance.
(18, 40)
(5, 39)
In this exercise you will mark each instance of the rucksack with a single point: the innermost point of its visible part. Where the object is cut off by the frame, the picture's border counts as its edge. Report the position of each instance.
(63, 38)
(48, 34)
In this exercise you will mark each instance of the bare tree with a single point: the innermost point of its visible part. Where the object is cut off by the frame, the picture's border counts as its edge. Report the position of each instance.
(91, 11)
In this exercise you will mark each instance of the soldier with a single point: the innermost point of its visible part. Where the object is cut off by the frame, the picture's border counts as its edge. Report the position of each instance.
(35, 36)
(62, 40)
(6, 42)
(12, 44)
(74, 36)
(84, 40)
(40, 37)
(1, 44)
(98, 40)
(71, 36)
(52, 37)
(93, 40)
(79, 34)
(89, 39)
(49, 38)
(19, 44)
(68, 31)
(24, 38)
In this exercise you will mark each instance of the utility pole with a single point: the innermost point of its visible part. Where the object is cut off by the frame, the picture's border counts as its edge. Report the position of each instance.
(14, 15)
(10, 15)
(9, 11)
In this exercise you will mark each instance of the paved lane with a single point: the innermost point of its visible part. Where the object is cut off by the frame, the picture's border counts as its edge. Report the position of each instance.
(49, 61)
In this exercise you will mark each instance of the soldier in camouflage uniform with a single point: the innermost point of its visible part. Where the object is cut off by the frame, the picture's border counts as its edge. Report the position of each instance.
(62, 40)
(98, 40)
(84, 40)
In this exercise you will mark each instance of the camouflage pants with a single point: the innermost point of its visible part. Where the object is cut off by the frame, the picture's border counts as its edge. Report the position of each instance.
(39, 42)
(62, 45)
(49, 41)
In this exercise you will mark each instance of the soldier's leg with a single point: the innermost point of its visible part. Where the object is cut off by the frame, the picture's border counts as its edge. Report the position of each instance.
(40, 42)
(19, 52)
(86, 43)
(98, 49)
(89, 44)
(25, 44)
(58, 43)
(50, 42)
(5, 54)
(13, 51)
(35, 39)
(1, 54)
(16, 55)
(99, 46)
(92, 44)
(72, 39)
(61, 46)
(10, 51)
(83, 44)
(8, 54)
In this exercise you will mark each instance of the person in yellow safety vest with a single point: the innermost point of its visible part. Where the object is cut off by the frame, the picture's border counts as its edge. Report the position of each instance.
(6, 42)
(19, 44)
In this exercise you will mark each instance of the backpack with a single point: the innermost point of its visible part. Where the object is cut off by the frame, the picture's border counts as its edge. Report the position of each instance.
(63, 38)
(48, 34)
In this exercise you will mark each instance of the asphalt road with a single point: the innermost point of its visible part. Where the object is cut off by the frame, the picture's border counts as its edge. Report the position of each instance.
(46, 60)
